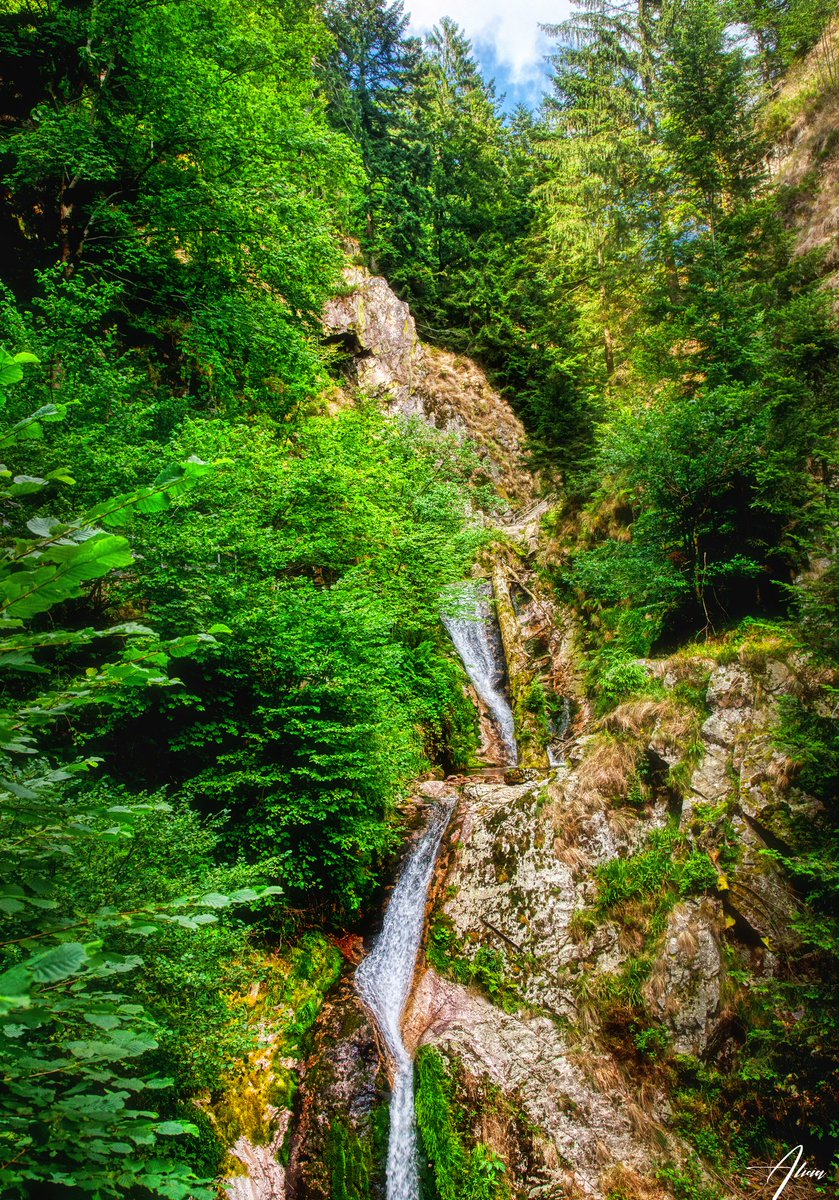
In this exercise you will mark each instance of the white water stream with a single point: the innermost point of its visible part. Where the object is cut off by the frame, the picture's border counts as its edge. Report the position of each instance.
(384, 982)
(385, 976)
(476, 638)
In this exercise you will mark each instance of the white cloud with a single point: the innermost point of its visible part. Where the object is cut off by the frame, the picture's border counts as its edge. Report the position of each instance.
(508, 28)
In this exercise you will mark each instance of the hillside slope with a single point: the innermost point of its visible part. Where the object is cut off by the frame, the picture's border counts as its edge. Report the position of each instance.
(804, 122)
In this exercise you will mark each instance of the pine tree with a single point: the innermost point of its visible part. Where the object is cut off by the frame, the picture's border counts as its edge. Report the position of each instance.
(596, 201)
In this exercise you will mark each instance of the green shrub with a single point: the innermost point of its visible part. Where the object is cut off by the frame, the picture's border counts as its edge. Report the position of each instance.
(653, 1042)
(697, 874)
(458, 1173)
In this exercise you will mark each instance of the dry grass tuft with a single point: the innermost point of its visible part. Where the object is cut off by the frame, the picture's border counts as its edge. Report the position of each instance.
(622, 1181)
(606, 1073)
(569, 816)
(691, 665)
(609, 517)
(647, 1096)
(687, 942)
(782, 772)
(622, 822)
(641, 1124)
(656, 986)
(636, 716)
(572, 856)
(609, 766)
(633, 927)
(669, 721)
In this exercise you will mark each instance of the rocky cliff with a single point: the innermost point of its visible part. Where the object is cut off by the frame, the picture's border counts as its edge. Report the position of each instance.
(386, 359)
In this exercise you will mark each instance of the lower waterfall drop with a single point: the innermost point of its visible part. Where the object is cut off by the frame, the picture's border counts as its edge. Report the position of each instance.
(384, 983)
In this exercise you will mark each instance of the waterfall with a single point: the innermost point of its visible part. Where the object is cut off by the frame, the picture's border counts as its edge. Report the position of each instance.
(478, 642)
(384, 982)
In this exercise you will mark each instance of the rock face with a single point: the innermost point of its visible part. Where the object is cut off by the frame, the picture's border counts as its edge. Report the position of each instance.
(340, 1106)
(741, 765)
(381, 333)
(685, 984)
(807, 160)
(446, 390)
(582, 1127)
(543, 996)
(509, 890)
(264, 1177)
(507, 886)
(515, 911)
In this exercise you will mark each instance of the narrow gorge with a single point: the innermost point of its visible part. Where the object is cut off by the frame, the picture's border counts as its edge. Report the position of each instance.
(582, 879)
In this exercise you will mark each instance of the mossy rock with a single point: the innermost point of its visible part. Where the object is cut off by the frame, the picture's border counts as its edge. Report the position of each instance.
(340, 1140)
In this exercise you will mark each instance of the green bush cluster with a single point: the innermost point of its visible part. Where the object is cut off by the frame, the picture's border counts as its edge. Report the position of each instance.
(485, 966)
(454, 1171)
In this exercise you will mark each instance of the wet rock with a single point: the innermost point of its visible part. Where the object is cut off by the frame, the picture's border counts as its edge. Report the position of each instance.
(341, 1102)
(532, 754)
(518, 775)
(510, 890)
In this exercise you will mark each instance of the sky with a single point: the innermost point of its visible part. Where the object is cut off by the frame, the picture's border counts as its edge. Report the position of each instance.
(506, 38)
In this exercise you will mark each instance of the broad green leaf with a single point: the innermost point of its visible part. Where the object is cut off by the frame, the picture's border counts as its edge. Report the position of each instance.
(58, 963)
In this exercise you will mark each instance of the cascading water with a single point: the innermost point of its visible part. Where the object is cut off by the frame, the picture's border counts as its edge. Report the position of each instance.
(385, 976)
(477, 641)
(384, 982)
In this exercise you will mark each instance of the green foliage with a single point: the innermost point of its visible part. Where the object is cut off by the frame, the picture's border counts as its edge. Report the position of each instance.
(128, 171)
(326, 557)
(449, 213)
(811, 738)
(720, 351)
(649, 873)
(665, 863)
(639, 892)
(653, 1042)
(688, 1182)
(484, 966)
(78, 1048)
(614, 676)
(458, 1173)
(177, 177)
(354, 1161)
(698, 874)
(785, 29)
(348, 1159)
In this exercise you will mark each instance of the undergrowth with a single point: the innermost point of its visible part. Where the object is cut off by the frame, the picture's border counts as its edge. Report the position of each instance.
(486, 967)
(451, 1169)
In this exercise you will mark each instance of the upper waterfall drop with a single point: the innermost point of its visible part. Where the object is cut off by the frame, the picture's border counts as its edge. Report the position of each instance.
(478, 642)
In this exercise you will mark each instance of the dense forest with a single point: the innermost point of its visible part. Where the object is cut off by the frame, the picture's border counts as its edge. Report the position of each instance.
(223, 662)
